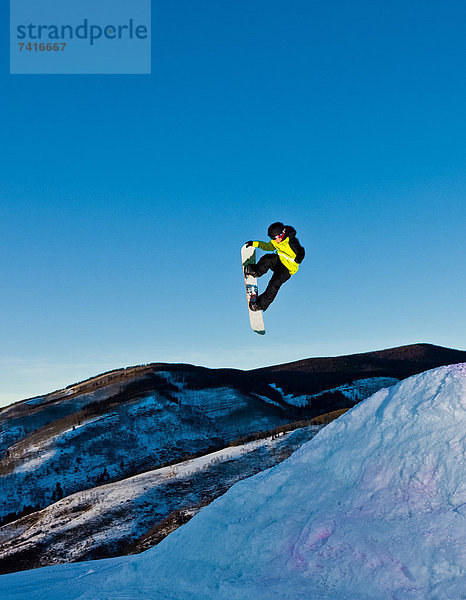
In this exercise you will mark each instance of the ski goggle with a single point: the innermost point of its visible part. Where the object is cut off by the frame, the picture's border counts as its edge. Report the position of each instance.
(279, 235)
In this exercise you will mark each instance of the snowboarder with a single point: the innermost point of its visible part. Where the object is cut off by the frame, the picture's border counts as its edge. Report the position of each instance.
(284, 263)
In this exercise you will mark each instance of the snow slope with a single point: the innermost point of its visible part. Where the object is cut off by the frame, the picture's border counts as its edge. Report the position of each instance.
(373, 507)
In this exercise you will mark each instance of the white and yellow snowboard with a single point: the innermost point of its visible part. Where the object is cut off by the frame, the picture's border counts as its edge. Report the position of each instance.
(256, 317)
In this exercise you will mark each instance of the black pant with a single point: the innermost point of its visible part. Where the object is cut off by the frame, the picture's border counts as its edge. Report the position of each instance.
(280, 275)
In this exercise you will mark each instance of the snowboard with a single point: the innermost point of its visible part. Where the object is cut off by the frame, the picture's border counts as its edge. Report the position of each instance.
(256, 317)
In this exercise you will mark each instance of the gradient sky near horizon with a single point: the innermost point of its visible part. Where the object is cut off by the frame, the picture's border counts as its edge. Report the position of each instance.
(124, 200)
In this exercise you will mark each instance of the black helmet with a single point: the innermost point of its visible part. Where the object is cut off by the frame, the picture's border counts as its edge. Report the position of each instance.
(275, 229)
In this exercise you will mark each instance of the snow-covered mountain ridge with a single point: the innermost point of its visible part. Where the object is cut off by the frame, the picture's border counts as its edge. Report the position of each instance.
(116, 425)
(372, 508)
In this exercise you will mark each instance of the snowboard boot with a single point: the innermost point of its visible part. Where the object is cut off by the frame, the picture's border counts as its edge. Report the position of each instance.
(254, 304)
(249, 270)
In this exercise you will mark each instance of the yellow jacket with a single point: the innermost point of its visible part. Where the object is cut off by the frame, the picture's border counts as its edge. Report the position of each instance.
(289, 250)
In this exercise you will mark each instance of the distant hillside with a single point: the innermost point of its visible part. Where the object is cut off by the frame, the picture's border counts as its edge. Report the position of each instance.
(313, 375)
(307, 376)
(401, 362)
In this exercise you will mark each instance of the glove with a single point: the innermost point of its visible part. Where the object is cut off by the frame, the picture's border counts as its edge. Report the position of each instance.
(250, 243)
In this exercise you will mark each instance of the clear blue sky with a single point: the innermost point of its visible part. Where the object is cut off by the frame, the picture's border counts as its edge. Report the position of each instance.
(125, 199)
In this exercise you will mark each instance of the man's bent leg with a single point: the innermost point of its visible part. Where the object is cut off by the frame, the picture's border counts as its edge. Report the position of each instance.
(279, 277)
(268, 261)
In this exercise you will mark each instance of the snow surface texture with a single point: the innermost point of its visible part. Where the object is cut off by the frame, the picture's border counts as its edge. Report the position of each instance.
(372, 508)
